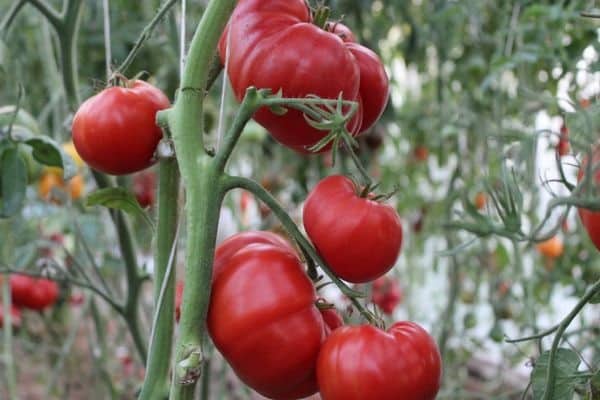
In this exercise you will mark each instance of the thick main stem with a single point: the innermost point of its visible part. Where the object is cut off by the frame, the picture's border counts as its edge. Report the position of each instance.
(203, 200)
(156, 383)
(203, 218)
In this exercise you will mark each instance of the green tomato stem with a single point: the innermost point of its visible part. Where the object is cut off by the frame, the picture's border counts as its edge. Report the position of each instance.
(145, 35)
(156, 381)
(132, 272)
(562, 327)
(202, 209)
(203, 197)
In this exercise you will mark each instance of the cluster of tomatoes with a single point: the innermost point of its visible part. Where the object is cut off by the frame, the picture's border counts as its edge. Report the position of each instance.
(265, 316)
(30, 293)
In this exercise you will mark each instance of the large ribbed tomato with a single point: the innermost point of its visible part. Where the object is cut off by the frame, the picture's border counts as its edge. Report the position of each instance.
(275, 45)
(591, 219)
(33, 293)
(262, 315)
(115, 131)
(359, 238)
(365, 362)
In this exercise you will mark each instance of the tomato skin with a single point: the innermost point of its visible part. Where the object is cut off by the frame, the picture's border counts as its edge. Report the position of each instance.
(115, 131)
(263, 318)
(387, 294)
(274, 45)
(591, 219)
(359, 238)
(144, 188)
(551, 248)
(480, 200)
(364, 362)
(563, 147)
(33, 293)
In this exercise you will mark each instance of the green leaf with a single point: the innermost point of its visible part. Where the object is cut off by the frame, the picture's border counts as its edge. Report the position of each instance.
(595, 383)
(13, 173)
(119, 199)
(565, 367)
(46, 151)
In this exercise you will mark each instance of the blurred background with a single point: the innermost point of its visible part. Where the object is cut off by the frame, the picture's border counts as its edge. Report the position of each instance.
(481, 92)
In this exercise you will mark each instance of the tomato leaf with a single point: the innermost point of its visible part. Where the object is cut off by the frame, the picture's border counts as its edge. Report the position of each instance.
(14, 182)
(565, 367)
(46, 151)
(119, 199)
(595, 383)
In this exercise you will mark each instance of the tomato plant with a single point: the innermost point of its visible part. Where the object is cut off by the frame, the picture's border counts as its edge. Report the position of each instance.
(263, 316)
(280, 48)
(33, 293)
(365, 362)
(359, 238)
(115, 131)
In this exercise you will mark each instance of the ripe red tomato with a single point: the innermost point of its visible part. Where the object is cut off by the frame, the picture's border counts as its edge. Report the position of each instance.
(33, 293)
(115, 131)
(263, 317)
(386, 294)
(365, 362)
(275, 45)
(591, 219)
(563, 146)
(15, 316)
(359, 238)
(421, 152)
(144, 188)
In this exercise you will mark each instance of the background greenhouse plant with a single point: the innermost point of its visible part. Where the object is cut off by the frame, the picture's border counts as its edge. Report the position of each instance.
(480, 90)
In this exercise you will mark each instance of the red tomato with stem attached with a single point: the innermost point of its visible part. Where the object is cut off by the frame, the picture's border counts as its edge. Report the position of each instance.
(33, 293)
(386, 294)
(591, 219)
(365, 362)
(359, 238)
(263, 316)
(275, 45)
(115, 131)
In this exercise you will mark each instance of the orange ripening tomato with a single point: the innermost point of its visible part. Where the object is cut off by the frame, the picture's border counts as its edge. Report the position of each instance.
(480, 200)
(51, 180)
(551, 248)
